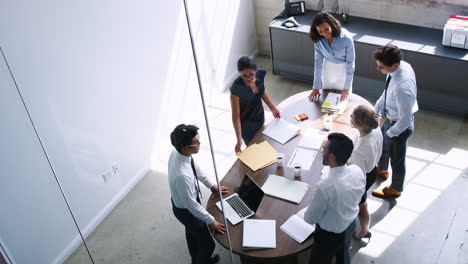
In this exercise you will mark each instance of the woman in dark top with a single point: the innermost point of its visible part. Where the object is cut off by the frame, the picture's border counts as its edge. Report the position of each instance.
(247, 93)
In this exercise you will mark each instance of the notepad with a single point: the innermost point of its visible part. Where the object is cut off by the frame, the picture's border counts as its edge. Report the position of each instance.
(333, 104)
(312, 138)
(297, 228)
(285, 189)
(281, 131)
(302, 156)
(259, 233)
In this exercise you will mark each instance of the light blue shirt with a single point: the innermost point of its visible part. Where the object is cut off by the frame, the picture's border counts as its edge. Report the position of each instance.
(340, 51)
(335, 200)
(182, 185)
(401, 99)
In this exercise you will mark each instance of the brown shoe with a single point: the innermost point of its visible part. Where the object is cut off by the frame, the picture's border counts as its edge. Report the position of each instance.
(386, 193)
(383, 174)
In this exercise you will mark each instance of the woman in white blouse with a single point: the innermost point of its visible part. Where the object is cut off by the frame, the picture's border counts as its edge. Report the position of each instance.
(366, 154)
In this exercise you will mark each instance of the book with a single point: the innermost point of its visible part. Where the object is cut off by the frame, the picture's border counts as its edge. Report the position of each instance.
(259, 233)
(285, 189)
(297, 228)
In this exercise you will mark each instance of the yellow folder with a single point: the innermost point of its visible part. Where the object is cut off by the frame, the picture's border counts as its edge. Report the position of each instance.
(258, 156)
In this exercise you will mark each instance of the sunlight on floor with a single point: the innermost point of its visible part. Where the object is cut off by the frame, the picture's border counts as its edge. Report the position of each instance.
(429, 174)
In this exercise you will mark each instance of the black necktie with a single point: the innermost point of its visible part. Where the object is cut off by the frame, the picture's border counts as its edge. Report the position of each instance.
(384, 111)
(197, 185)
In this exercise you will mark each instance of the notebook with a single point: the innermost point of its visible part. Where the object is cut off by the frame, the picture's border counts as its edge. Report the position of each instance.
(285, 189)
(259, 233)
(281, 131)
(297, 228)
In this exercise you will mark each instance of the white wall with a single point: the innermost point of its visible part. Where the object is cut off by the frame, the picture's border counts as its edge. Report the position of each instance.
(426, 13)
(105, 82)
(30, 200)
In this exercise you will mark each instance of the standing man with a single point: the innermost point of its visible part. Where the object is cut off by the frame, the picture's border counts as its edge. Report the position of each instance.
(335, 203)
(184, 175)
(396, 106)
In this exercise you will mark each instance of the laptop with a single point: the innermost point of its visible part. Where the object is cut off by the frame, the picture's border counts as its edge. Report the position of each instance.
(244, 203)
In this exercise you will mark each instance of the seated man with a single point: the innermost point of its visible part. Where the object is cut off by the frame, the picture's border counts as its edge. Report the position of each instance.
(335, 202)
(183, 176)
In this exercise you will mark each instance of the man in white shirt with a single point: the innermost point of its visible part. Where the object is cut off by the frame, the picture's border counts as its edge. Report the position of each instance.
(184, 175)
(335, 203)
(396, 106)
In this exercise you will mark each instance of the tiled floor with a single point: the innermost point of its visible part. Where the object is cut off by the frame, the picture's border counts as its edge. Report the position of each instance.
(428, 224)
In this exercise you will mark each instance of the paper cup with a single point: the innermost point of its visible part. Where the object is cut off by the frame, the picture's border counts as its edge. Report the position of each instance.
(297, 170)
(280, 159)
(327, 122)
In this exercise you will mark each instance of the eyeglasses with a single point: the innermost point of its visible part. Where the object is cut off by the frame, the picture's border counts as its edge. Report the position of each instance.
(250, 75)
(197, 143)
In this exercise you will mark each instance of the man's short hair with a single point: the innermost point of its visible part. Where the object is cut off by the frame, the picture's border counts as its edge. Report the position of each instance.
(341, 147)
(182, 135)
(246, 62)
(388, 55)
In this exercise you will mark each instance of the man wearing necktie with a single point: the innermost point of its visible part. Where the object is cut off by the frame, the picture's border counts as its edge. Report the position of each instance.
(396, 106)
(184, 174)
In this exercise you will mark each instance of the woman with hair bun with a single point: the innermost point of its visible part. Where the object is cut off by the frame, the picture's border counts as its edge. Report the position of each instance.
(366, 154)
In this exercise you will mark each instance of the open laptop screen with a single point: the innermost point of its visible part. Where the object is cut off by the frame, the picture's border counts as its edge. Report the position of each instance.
(250, 193)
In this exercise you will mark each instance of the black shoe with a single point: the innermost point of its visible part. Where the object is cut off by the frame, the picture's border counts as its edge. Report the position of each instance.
(214, 259)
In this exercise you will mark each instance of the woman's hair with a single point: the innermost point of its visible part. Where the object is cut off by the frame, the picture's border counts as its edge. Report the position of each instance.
(246, 62)
(319, 19)
(388, 55)
(365, 118)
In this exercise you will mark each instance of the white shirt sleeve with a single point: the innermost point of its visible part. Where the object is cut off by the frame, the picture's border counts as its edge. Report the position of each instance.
(404, 101)
(190, 203)
(380, 104)
(317, 207)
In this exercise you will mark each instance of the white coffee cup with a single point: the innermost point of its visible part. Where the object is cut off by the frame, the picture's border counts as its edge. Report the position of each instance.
(327, 122)
(280, 159)
(297, 169)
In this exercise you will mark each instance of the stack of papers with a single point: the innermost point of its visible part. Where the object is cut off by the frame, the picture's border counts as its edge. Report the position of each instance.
(297, 228)
(258, 156)
(281, 131)
(333, 104)
(285, 189)
(259, 234)
(312, 138)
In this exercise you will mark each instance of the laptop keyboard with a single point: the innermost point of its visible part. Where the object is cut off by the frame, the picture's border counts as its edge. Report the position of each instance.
(238, 205)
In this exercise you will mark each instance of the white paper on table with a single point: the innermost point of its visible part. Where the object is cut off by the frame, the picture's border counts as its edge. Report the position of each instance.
(259, 233)
(312, 138)
(281, 130)
(303, 156)
(297, 228)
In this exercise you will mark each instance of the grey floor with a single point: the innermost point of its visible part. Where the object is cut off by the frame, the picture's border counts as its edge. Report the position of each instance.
(427, 224)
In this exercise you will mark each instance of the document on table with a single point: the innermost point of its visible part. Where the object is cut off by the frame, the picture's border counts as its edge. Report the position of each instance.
(259, 233)
(334, 104)
(258, 156)
(312, 138)
(297, 228)
(282, 188)
(303, 156)
(281, 130)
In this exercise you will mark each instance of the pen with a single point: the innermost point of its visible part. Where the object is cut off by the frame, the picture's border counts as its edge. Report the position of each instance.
(337, 101)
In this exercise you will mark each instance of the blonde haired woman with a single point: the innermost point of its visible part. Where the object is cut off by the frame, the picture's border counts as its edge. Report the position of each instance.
(366, 154)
